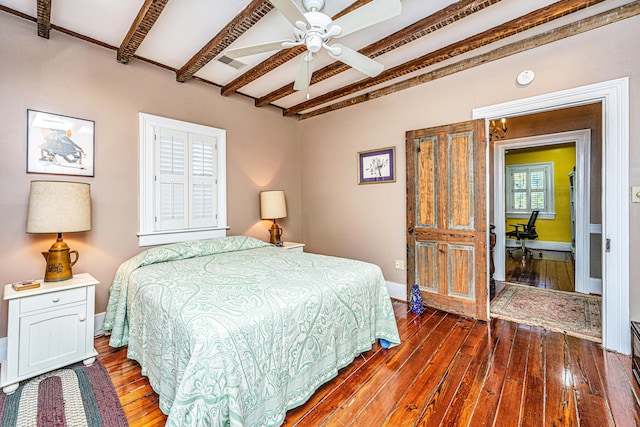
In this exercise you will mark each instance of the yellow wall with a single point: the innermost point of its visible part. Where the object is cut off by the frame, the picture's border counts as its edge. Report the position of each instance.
(563, 157)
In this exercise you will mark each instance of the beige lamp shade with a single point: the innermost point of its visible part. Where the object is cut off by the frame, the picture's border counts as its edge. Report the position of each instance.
(272, 205)
(59, 207)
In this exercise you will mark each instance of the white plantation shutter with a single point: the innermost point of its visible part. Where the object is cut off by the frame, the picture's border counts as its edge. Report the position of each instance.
(183, 186)
(203, 182)
(171, 179)
(530, 187)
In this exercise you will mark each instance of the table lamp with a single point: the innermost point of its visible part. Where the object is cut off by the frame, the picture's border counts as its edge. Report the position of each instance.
(59, 207)
(273, 206)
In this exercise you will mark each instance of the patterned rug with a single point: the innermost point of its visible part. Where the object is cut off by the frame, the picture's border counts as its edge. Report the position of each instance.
(571, 313)
(74, 396)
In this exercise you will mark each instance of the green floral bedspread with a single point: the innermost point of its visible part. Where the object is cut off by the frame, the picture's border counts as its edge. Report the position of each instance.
(233, 331)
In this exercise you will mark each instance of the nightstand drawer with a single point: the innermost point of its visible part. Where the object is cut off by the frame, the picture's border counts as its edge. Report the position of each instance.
(52, 300)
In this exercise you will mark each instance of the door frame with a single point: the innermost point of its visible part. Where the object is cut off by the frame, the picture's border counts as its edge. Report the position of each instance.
(614, 95)
(582, 140)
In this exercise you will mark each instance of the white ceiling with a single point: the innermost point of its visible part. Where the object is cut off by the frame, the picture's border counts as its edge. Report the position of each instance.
(185, 26)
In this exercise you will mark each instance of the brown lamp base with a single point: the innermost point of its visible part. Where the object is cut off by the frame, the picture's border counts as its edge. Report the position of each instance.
(275, 234)
(59, 261)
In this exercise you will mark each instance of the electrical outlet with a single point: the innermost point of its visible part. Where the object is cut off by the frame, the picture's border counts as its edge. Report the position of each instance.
(399, 264)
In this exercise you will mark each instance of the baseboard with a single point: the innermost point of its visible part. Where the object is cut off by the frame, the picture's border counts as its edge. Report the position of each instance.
(397, 290)
(542, 246)
(595, 286)
(97, 330)
(98, 320)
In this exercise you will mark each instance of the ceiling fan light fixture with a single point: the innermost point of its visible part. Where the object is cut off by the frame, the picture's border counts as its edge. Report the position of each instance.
(313, 42)
(313, 5)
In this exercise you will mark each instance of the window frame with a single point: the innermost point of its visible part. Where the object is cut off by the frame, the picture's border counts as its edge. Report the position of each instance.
(147, 234)
(549, 190)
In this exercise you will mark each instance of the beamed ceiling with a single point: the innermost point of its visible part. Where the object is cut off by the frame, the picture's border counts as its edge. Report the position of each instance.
(427, 41)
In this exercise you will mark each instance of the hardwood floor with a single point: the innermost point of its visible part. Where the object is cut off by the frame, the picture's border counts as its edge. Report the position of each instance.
(448, 371)
(555, 270)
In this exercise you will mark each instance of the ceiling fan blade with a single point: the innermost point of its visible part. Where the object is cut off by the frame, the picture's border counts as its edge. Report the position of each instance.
(356, 60)
(371, 13)
(305, 71)
(254, 49)
(290, 11)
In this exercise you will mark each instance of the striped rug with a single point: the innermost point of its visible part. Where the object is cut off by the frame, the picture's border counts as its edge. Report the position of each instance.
(76, 396)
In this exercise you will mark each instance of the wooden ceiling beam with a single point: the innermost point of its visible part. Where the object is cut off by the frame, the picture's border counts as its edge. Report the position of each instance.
(515, 26)
(448, 15)
(277, 59)
(147, 17)
(579, 27)
(44, 18)
(234, 29)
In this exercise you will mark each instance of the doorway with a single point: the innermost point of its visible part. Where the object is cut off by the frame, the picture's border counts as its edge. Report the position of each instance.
(583, 216)
(614, 97)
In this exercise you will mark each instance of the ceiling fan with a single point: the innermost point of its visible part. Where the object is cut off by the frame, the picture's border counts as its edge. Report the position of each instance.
(315, 29)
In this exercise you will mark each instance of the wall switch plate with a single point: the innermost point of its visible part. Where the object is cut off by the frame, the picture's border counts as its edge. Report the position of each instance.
(399, 264)
(635, 194)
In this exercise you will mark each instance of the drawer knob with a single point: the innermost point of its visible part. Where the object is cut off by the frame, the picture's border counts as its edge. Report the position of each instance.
(55, 298)
(82, 317)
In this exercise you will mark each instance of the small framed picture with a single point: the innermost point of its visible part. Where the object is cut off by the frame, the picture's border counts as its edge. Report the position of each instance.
(377, 166)
(59, 145)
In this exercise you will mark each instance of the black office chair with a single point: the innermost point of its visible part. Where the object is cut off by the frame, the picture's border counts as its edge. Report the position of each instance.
(524, 232)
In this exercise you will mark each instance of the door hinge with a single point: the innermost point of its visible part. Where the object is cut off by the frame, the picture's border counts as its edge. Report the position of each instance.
(607, 246)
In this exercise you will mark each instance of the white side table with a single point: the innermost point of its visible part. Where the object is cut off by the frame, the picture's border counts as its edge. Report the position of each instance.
(49, 327)
(293, 246)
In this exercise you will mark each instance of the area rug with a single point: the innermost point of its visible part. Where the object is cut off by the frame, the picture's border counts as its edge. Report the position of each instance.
(567, 312)
(77, 395)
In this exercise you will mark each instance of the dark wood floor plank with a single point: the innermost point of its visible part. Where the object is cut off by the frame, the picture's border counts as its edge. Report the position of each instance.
(593, 408)
(466, 400)
(511, 397)
(343, 392)
(452, 382)
(403, 404)
(450, 376)
(560, 407)
(489, 396)
(555, 271)
(625, 362)
(407, 362)
(534, 387)
(618, 386)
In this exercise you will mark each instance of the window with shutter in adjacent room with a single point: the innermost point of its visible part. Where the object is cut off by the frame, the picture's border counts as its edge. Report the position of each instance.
(529, 187)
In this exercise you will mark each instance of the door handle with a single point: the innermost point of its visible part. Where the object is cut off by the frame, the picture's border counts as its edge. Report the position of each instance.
(410, 230)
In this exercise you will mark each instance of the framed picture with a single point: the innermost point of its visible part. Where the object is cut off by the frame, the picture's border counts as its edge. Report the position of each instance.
(59, 145)
(377, 166)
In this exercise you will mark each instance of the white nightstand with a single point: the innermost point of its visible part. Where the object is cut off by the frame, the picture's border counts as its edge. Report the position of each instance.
(293, 246)
(49, 327)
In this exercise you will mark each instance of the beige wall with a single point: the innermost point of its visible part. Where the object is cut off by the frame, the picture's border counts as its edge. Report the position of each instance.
(314, 158)
(368, 222)
(67, 76)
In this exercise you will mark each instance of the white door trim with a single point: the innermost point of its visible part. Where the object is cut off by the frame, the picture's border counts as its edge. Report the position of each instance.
(614, 95)
(582, 139)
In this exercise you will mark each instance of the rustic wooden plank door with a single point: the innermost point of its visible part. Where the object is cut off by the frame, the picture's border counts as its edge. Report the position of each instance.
(446, 217)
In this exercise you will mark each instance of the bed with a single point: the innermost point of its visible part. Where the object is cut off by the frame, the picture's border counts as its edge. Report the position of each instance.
(234, 331)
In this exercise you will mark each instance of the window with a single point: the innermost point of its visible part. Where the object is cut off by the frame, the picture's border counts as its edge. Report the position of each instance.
(530, 187)
(182, 181)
